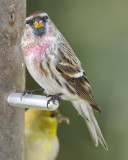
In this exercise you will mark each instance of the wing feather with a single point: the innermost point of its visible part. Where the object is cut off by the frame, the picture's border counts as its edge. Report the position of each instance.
(71, 70)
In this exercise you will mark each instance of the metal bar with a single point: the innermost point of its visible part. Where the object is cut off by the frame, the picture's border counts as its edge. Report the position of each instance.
(31, 101)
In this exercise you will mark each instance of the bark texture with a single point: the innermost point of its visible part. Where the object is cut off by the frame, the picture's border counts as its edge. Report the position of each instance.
(12, 78)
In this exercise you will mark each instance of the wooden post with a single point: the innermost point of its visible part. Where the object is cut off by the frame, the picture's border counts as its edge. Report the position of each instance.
(12, 78)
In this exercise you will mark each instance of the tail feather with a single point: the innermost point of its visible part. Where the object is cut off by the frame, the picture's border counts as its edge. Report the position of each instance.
(89, 123)
(99, 134)
(86, 112)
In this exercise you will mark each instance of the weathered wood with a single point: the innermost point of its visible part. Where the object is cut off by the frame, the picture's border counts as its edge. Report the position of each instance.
(12, 78)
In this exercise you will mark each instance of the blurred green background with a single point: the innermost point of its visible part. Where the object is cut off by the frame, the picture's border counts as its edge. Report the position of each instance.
(97, 30)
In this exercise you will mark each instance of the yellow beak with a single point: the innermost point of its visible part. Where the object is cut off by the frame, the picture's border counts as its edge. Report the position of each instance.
(38, 24)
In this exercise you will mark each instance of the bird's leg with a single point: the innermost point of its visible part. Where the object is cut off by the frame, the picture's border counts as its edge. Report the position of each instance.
(32, 91)
(54, 98)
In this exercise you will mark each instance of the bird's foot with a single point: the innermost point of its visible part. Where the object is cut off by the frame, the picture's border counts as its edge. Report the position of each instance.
(54, 98)
(32, 91)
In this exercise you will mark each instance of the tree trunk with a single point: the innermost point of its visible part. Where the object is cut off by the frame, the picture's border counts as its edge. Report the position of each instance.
(12, 78)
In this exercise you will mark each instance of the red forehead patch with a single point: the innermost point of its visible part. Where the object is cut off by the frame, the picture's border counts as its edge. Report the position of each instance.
(35, 13)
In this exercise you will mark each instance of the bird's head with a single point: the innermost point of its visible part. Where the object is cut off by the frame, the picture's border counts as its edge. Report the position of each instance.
(38, 29)
(38, 23)
(45, 122)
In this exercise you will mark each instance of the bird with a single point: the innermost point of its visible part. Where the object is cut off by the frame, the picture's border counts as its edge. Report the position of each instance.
(54, 66)
(41, 140)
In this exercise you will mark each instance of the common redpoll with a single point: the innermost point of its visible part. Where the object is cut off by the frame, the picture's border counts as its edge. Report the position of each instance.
(55, 67)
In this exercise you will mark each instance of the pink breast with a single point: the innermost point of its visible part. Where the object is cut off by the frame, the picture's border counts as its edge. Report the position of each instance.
(36, 49)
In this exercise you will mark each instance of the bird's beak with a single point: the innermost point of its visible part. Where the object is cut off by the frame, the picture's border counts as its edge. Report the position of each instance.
(38, 24)
(61, 118)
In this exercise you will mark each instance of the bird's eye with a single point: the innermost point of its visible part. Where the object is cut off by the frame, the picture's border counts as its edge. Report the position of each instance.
(30, 22)
(27, 22)
(45, 18)
(52, 115)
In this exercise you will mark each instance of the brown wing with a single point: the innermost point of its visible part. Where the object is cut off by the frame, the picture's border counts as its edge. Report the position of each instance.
(73, 73)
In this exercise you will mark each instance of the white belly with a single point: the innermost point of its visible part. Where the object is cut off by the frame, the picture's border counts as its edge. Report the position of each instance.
(48, 83)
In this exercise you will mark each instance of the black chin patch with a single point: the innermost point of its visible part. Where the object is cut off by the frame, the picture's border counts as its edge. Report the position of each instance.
(39, 31)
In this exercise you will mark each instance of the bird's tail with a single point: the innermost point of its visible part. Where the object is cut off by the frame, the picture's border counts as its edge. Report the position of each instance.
(86, 112)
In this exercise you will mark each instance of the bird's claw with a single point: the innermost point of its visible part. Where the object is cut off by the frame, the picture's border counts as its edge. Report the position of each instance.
(32, 91)
(26, 92)
(54, 98)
